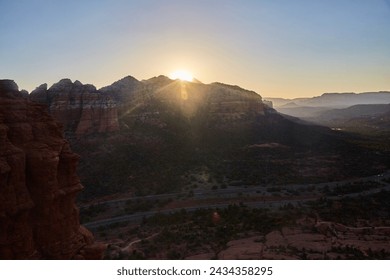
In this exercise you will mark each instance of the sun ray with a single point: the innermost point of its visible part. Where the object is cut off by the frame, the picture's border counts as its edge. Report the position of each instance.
(182, 75)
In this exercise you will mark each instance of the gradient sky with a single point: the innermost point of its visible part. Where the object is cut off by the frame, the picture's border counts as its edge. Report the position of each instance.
(279, 48)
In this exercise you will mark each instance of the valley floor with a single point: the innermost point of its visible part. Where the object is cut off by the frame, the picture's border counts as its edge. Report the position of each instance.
(337, 220)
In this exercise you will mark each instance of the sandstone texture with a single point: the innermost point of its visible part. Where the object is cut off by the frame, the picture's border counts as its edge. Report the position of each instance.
(80, 108)
(38, 185)
(84, 110)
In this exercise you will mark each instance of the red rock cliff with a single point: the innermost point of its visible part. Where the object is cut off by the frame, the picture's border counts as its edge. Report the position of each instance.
(38, 185)
(81, 108)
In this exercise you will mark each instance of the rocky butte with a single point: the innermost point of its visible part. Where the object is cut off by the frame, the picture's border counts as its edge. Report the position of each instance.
(38, 185)
(80, 108)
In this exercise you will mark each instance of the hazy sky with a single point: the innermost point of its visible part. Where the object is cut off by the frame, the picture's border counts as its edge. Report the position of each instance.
(279, 48)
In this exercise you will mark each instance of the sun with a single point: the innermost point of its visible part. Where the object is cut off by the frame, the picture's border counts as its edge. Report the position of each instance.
(182, 75)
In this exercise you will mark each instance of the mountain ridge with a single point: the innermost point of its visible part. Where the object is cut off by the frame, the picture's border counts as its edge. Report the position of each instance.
(76, 104)
(168, 129)
(336, 100)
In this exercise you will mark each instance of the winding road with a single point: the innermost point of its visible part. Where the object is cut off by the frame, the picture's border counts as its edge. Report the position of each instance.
(276, 202)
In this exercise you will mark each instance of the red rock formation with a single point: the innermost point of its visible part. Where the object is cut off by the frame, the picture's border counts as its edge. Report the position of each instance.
(38, 185)
(81, 108)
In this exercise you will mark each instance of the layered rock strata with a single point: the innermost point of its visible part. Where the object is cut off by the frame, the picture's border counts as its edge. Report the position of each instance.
(80, 108)
(38, 185)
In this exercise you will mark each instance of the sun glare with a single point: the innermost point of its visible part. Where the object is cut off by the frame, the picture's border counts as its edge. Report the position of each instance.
(181, 75)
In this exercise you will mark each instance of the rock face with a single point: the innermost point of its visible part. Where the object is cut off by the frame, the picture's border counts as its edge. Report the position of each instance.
(38, 185)
(84, 110)
(80, 108)
(140, 99)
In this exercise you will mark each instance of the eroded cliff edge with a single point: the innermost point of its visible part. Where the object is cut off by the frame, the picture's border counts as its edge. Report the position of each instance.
(38, 185)
(80, 108)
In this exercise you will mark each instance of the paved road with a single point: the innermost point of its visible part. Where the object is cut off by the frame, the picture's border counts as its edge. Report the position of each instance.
(233, 191)
(137, 217)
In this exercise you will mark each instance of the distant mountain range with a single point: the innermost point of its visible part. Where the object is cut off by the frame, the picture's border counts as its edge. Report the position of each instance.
(364, 112)
(368, 110)
(153, 136)
(333, 100)
(365, 119)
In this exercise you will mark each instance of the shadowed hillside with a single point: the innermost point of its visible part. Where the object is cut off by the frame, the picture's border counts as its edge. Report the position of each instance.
(168, 131)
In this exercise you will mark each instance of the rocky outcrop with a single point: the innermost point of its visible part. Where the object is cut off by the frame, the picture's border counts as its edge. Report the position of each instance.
(80, 108)
(84, 110)
(38, 185)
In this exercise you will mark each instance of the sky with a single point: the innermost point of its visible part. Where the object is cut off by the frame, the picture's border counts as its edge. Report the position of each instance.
(278, 48)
